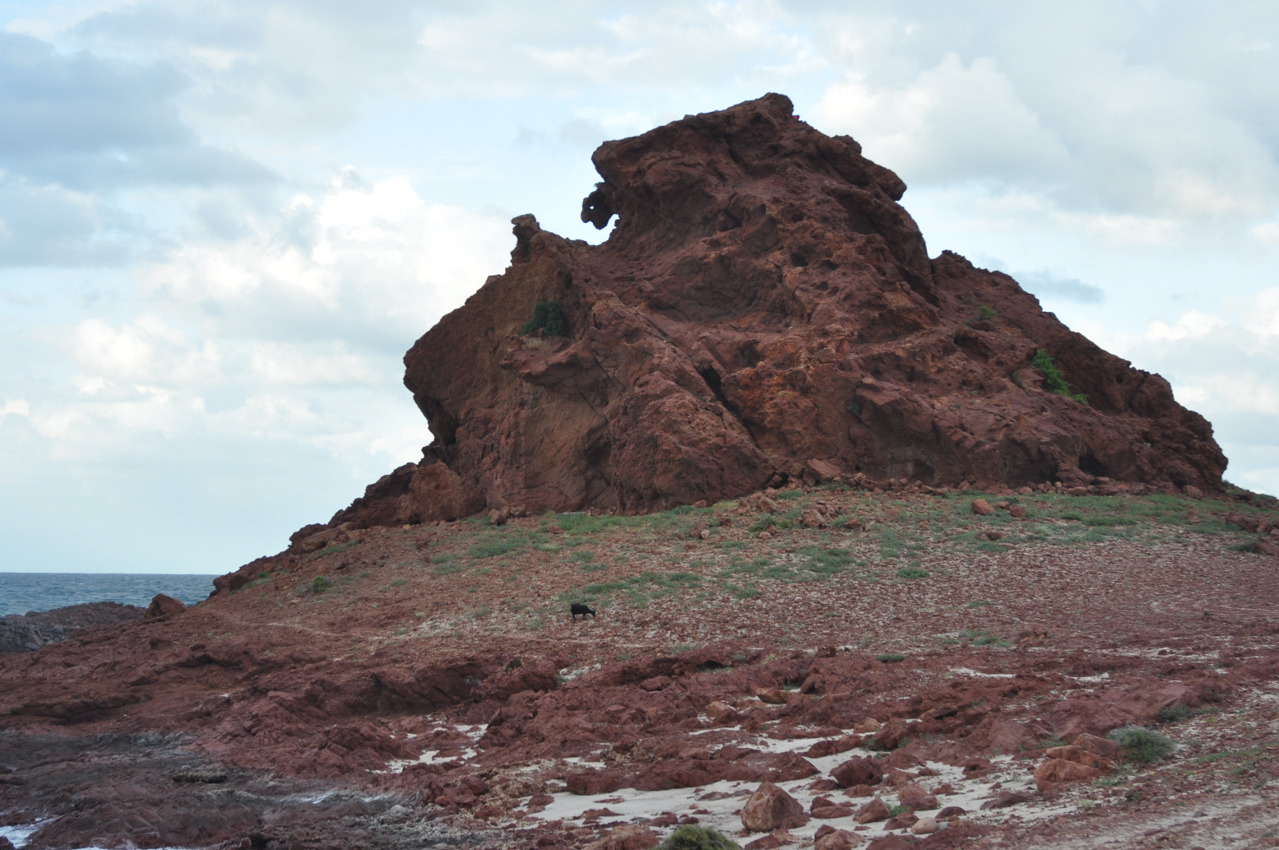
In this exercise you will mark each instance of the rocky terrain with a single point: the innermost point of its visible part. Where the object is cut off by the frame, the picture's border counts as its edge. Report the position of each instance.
(901, 657)
(763, 311)
(753, 517)
(30, 631)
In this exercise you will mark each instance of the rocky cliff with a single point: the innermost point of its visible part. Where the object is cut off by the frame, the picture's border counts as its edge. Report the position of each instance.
(764, 310)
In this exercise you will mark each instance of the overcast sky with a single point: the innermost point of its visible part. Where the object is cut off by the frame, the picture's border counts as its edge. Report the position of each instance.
(223, 222)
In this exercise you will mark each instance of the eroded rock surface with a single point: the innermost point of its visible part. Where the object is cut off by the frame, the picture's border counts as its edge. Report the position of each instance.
(764, 311)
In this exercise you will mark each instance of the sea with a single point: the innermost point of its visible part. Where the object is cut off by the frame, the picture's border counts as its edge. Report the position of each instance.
(21, 593)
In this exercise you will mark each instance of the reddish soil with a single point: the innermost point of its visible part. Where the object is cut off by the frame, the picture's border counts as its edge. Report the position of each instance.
(422, 685)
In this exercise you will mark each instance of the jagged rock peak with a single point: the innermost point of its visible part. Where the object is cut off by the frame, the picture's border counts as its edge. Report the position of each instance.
(764, 311)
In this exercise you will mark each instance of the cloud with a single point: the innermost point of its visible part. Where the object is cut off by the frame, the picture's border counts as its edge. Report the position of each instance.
(292, 332)
(87, 123)
(1223, 366)
(954, 121)
(1044, 283)
(43, 225)
(1110, 117)
(369, 263)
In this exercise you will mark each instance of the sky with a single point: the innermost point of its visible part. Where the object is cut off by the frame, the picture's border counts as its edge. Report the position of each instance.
(222, 223)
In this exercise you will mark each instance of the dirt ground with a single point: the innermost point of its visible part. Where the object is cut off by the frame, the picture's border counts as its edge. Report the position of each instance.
(429, 685)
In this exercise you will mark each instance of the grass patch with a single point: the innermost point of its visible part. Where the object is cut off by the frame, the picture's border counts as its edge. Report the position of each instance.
(890, 657)
(911, 573)
(447, 564)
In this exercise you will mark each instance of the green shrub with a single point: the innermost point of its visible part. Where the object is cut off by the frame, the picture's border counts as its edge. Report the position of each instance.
(890, 657)
(1054, 380)
(1173, 713)
(1142, 745)
(548, 316)
(698, 838)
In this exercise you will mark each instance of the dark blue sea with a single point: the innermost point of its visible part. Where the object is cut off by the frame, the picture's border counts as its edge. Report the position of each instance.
(23, 592)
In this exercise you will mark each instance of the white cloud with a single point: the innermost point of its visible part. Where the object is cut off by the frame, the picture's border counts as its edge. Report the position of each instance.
(953, 121)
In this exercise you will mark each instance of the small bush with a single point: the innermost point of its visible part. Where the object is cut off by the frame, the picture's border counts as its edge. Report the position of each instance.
(1054, 380)
(548, 316)
(890, 657)
(698, 838)
(1142, 745)
(1173, 713)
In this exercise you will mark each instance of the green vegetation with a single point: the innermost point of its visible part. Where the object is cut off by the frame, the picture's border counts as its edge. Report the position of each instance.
(698, 838)
(1141, 745)
(1173, 713)
(548, 316)
(979, 637)
(1054, 380)
(890, 657)
(333, 550)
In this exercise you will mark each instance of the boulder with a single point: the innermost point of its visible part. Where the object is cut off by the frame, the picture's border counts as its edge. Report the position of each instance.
(858, 770)
(837, 839)
(764, 312)
(875, 810)
(770, 808)
(163, 606)
(631, 836)
(915, 797)
(1056, 772)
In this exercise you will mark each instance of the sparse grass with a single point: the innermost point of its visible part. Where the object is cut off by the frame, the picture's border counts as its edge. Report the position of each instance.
(890, 657)
(447, 564)
(978, 637)
(335, 549)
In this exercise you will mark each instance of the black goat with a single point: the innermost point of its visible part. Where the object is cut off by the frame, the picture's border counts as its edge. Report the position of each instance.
(580, 608)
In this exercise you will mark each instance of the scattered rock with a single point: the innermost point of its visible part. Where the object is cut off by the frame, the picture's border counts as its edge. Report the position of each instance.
(1056, 772)
(858, 770)
(722, 713)
(875, 810)
(773, 696)
(837, 839)
(629, 836)
(771, 808)
(915, 797)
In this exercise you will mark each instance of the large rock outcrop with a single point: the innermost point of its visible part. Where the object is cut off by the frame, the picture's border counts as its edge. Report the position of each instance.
(763, 308)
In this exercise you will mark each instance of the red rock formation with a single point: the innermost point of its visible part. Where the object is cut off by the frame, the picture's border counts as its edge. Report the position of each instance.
(764, 310)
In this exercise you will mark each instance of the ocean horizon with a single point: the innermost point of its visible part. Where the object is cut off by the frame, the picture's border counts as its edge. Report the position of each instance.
(21, 593)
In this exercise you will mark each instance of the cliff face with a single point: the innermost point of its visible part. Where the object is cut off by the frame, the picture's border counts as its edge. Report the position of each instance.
(763, 310)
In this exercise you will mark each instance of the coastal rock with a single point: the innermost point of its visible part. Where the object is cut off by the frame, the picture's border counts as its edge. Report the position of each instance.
(36, 629)
(764, 312)
(163, 606)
